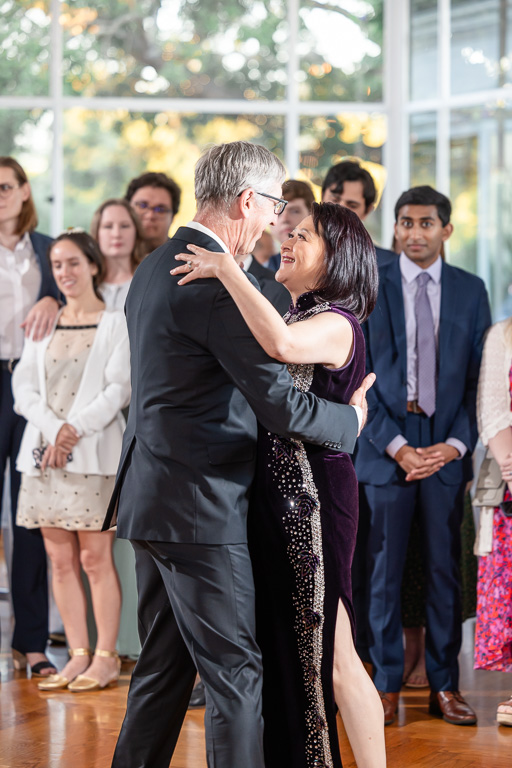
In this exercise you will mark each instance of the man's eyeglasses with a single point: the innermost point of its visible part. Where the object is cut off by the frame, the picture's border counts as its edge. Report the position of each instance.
(279, 205)
(161, 210)
(6, 189)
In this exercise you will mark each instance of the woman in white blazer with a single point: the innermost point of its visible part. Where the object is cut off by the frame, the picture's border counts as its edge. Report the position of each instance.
(71, 387)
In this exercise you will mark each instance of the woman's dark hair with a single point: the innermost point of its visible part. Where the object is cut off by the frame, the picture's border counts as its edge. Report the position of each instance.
(426, 195)
(90, 250)
(350, 277)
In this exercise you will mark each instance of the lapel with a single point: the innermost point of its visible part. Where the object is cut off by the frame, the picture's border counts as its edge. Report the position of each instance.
(449, 310)
(392, 290)
(256, 269)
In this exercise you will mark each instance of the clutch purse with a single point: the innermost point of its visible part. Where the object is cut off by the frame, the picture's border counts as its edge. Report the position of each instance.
(38, 453)
(490, 487)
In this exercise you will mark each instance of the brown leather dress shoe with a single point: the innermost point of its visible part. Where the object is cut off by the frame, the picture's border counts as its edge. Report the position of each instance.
(390, 704)
(451, 706)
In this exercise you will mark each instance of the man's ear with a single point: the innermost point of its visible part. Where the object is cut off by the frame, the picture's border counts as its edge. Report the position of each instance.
(368, 211)
(447, 231)
(245, 202)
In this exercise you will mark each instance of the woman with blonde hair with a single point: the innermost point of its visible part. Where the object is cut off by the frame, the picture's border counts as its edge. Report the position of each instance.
(28, 306)
(117, 229)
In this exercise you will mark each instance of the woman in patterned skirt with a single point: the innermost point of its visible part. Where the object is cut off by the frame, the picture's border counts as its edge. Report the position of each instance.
(493, 636)
(71, 388)
(303, 515)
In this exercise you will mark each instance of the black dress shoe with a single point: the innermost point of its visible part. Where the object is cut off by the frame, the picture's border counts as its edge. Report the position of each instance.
(197, 699)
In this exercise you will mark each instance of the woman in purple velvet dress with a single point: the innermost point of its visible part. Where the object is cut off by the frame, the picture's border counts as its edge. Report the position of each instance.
(303, 516)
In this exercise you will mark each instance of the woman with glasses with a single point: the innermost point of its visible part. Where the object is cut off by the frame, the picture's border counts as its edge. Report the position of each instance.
(303, 516)
(28, 306)
(71, 387)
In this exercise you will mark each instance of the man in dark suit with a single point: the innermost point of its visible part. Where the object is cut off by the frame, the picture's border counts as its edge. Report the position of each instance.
(199, 381)
(424, 342)
(349, 184)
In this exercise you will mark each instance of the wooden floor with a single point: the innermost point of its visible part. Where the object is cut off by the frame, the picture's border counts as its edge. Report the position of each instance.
(66, 730)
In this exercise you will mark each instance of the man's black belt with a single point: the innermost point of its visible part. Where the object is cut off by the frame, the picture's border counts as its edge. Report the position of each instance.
(9, 365)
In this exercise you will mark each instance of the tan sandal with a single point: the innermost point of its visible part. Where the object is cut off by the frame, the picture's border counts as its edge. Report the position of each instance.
(59, 682)
(504, 718)
(84, 683)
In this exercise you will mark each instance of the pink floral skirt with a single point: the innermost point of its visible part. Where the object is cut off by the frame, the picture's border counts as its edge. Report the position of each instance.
(493, 637)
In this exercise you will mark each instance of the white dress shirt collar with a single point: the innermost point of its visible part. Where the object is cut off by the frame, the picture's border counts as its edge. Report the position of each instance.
(206, 231)
(410, 270)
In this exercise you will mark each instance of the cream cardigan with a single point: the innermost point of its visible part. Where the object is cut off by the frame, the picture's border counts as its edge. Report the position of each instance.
(493, 408)
(96, 411)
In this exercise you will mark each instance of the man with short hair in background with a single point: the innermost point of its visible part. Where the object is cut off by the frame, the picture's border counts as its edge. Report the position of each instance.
(351, 185)
(156, 199)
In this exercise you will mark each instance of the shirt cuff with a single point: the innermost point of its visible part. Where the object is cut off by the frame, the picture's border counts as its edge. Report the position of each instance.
(359, 414)
(458, 445)
(394, 446)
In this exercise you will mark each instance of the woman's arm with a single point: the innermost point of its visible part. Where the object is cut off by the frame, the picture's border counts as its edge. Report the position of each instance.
(28, 400)
(326, 338)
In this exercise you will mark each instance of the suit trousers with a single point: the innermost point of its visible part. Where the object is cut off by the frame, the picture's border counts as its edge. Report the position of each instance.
(29, 586)
(440, 510)
(196, 611)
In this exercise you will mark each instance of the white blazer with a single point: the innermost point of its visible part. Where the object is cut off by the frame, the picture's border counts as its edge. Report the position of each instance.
(96, 411)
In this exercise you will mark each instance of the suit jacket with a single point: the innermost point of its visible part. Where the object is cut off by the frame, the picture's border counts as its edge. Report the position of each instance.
(199, 380)
(270, 288)
(40, 245)
(384, 256)
(464, 318)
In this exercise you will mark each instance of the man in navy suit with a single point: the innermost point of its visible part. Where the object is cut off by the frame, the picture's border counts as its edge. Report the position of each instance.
(424, 342)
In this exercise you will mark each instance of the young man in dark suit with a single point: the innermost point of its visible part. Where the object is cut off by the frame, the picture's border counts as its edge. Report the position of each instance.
(424, 342)
(199, 382)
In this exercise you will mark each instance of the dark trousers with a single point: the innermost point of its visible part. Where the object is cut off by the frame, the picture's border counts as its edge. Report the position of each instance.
(29, 587)
(440, 509)
(196, 611)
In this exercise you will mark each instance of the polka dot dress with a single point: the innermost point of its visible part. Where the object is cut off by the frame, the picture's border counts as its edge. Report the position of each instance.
(60, 498)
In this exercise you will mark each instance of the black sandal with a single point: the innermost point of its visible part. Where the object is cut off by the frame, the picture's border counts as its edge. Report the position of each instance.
(38, 668)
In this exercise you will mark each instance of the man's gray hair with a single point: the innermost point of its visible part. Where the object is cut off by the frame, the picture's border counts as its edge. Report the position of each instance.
(225, 170)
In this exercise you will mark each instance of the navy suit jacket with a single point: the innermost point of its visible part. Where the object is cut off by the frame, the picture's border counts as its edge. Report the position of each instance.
(40, 245)
(464, 319)
(384, 256)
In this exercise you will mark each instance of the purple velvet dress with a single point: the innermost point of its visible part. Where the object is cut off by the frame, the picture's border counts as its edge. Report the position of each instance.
(302, 533)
